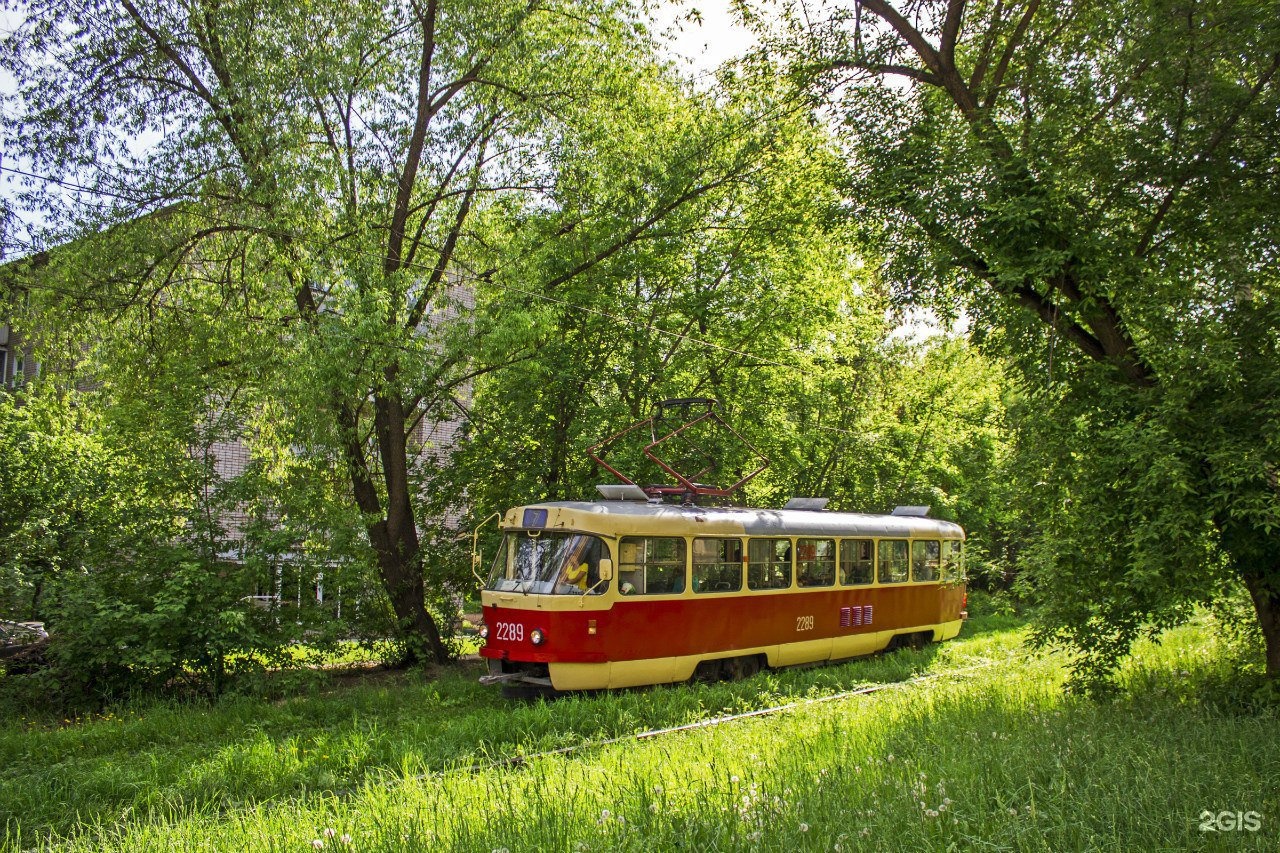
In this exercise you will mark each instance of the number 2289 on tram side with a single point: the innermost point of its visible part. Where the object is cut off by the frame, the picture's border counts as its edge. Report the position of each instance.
(586, 595)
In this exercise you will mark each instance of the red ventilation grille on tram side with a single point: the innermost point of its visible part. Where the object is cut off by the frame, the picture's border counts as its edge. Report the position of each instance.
(853, 617)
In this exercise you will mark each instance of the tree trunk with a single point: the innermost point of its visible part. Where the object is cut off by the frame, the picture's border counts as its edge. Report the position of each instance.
(402, 579)
(1266, 604)
(1255, 555)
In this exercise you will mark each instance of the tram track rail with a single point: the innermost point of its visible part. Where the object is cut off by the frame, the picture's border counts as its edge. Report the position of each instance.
(712, 722)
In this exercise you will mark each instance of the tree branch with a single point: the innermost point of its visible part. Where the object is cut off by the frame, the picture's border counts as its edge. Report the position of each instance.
(1217, 139)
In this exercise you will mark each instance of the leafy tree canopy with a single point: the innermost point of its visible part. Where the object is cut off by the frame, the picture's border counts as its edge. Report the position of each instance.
(1096, 187)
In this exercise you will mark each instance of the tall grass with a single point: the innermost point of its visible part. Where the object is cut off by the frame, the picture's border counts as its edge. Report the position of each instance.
(994, 756)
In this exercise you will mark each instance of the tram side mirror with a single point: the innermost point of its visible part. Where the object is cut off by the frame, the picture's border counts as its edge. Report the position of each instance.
(606, 569)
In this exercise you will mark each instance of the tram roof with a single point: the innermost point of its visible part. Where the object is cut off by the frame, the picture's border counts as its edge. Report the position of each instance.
(636, 517)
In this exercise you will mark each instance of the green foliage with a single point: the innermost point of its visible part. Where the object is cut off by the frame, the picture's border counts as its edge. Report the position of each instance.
(91, 529)
(765, 302)
(1092, 185)
(352, 213)
(994, 750)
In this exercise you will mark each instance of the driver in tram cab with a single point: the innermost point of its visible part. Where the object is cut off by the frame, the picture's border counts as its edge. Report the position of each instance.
(577, 567)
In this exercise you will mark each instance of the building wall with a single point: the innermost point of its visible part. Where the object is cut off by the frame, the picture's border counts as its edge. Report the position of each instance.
(17, 361)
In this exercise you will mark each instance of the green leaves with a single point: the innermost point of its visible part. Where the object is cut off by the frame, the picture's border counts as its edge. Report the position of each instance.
(1094, 184)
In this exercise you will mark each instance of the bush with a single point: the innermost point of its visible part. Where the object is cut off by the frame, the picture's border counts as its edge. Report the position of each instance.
(94, 542)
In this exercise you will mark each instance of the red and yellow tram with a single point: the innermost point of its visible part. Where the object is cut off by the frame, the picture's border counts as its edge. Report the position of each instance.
(633, 591)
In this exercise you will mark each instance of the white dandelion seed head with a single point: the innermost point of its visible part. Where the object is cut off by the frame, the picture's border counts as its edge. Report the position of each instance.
(804, 827)
(330, 832)
(317, 843)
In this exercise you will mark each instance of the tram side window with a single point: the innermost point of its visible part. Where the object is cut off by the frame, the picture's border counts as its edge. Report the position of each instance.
(651, 565)
(894, 555)
(815, 562)
(769, 563)
(925, 555)
(717, 565)
(857, 561)
(952, 561)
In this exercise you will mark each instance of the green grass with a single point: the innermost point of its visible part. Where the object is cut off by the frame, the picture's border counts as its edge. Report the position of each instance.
(988, 755)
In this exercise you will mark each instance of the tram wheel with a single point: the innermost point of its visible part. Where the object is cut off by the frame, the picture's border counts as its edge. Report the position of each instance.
(744, 667)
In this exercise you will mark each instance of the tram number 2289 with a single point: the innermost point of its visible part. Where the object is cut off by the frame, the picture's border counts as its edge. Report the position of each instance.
(511, 632)
(804, 623)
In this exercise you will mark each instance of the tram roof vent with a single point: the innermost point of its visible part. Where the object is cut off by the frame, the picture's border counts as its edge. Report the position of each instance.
(622, 493)
(807, 503)
(912, 511)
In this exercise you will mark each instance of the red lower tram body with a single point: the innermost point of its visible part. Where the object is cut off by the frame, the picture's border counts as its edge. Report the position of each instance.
(636, 641)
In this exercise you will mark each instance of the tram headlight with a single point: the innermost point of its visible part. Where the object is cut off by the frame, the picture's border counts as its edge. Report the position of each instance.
(484, 632)
(537, 637)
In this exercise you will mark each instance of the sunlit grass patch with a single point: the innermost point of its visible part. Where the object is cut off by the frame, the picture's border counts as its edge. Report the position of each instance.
(987, 751)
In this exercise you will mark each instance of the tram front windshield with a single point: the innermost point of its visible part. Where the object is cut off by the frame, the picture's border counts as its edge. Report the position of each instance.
(548, 564)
